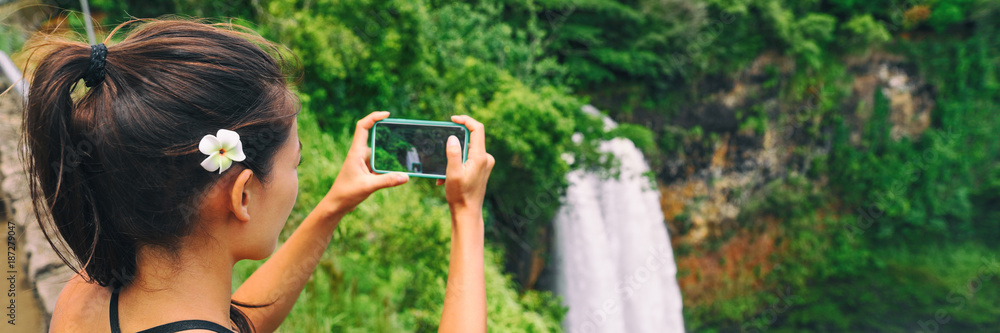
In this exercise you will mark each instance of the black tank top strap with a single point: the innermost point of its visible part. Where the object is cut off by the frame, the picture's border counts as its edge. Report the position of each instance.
(185, 325)
(114, 311)
(177, 326)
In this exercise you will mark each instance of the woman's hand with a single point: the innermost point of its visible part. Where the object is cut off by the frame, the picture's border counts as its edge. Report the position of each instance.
(356, 180)
(465, 183)
(279, 281)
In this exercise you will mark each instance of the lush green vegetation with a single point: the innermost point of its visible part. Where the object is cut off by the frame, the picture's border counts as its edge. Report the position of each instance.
(881, 235)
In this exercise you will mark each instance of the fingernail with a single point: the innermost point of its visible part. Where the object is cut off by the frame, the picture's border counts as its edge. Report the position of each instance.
(452, 140)
(402, 178)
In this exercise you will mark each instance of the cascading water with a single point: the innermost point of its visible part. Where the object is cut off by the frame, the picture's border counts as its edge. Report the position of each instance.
(616, 269)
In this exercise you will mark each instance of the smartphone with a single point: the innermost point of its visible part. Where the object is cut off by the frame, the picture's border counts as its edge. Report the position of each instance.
(415, 147)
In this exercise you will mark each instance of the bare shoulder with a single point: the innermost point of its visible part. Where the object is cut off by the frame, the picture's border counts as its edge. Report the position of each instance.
(81, 307)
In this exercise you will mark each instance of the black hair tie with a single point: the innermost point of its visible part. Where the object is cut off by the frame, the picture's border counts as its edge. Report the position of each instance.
(95, 72)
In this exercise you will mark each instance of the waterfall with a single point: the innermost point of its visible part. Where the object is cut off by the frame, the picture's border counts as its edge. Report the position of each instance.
(615, 266)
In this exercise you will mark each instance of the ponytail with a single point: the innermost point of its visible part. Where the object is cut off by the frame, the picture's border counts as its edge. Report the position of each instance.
(61, 145)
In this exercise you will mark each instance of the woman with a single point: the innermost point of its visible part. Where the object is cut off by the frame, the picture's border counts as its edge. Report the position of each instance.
(178, 159)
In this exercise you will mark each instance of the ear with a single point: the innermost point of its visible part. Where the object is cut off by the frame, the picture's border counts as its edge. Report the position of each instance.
(240, 195)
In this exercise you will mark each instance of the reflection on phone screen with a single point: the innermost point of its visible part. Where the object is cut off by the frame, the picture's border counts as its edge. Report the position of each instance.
(413, 148)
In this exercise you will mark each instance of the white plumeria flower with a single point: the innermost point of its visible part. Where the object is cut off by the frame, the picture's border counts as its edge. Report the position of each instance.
(222, 149)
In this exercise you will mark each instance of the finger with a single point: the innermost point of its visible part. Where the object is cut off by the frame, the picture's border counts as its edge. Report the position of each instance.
(488, 168)
(362, 128)
(490, 161)
(381, 181)
(368, 159)
(363, 165)
(477, 143)
(440, 182)
(454, 152)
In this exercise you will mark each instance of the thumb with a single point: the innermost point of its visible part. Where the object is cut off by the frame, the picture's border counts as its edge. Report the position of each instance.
(389, 180)
(454, 151)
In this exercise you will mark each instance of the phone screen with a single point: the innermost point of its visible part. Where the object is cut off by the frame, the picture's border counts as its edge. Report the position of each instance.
(417, 149)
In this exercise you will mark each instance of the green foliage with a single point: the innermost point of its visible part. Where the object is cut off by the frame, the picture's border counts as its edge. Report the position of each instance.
(912, 244)
(12, 37)
(431, 60)
(754, 119)
(121, 10)
(947, 13)
(385, 160)
(530, 133)
(902, 238)
(641, 136)
(864, 31)
(803, 36)
(907, 179)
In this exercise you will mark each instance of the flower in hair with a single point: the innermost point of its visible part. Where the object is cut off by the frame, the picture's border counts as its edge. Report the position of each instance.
(222, 149)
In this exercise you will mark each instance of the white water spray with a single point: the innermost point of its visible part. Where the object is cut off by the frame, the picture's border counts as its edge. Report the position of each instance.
(616, 269)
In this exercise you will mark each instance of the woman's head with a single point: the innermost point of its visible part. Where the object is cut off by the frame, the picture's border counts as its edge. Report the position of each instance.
(118, 166)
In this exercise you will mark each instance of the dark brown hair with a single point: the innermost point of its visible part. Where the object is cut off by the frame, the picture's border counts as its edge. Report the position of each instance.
(117, 165)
